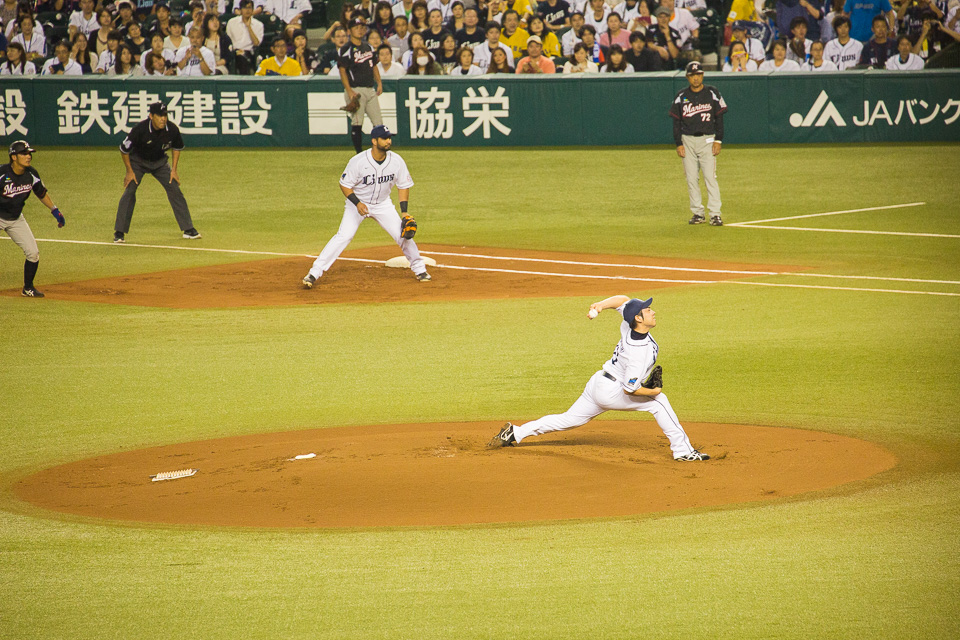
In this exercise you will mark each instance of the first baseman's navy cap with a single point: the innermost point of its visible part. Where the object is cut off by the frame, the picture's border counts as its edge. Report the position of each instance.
(21, 146)
(633, 308)
(381, 131)
(158, 109)
(694, 68)
(739, 25)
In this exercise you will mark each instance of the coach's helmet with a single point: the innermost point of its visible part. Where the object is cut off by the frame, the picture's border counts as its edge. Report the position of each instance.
(21, 146)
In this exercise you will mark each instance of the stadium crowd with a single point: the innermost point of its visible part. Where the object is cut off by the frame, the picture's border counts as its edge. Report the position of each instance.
(467, 37)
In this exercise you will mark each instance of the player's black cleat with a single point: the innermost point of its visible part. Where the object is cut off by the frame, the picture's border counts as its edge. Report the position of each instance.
(308, 281)
(697, 220)
(118, 237)
(191, 234)
(423, 277)
(715, 221)
(504, 438)
(31, 292)
(693, 456)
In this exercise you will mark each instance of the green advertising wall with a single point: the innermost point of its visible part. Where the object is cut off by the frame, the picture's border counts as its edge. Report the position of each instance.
(852, 106)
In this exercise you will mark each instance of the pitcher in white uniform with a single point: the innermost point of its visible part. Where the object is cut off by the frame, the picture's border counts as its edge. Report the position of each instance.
(366, 184)
(618, 385)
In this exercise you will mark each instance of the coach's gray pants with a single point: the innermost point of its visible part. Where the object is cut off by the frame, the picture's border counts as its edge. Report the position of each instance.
(19, 231)
(369, 105)
(699, 158)
(160, 170)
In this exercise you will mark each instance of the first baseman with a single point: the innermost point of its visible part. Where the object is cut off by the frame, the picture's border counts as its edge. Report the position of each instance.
(17, 180)
(697, 114)
(618, 385)
(366, 184)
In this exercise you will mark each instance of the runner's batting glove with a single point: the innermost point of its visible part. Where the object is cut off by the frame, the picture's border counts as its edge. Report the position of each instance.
(409, 228)
(59, 216)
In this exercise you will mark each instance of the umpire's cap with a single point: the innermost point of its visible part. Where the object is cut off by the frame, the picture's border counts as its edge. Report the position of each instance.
(158, 109)
(381, 131)
(633, 308)
(21, 146)
(694, 68)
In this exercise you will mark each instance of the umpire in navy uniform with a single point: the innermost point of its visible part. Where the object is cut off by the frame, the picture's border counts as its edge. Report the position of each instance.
(144, 150)
(697, 114)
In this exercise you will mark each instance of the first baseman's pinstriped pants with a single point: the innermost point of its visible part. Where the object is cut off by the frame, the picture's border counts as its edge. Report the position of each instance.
(699, 157)
(603, 394)
(19, 231)
(160, 170)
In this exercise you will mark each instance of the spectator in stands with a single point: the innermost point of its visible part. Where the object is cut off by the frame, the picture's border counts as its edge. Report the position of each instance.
(596, 14)
(754, 47)
(16, 63)
(739, 60)
(81, 53)
(537, 27)
(422, 64)
(196, 59)
(30, 39)
(105, 22)
(524, 8)
(374, 40)
(911, 16)
(108, 58)
(365, 9)
(826, 23)
(615, 34)
(743, 10)
(176, 41)
(513, 35)
(9, 12)
(218, 43)
(494, 10)
(245, 34)
(126, 64)
(447, 55)
(843, 50)
(61, 64)
(135, 39)
(861, 14)
(383, 22)
(156, 65)
(500, 62)
(433, 35)
(416, 42)
(906, 59)
(483, 53)
(60, 6)
(629, 10)
(124, 17)
(692, 5)
(454, 22)
(640, 56)
(569, 40)
(554, 13)
(787, 10)
(465, 66)
(403, 8)
(290, 13)
(588, 36)
(346, 13)
(779, 61)
(535, 61)
(471, 35)
(688, 29)
(664, 39)
(301, 53)
(418, 16)
(879, 48)
(196, 11)
(278, 64)
(615, 61)
(933, 37)
(644, 18)
(400, 38)
(156, 47)
(817, 62)
(581, 62)
(385, 65)
(798, 48)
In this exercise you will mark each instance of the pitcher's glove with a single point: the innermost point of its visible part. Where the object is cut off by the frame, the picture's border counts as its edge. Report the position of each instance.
(353, 105)
(409, 228)
(655, 380)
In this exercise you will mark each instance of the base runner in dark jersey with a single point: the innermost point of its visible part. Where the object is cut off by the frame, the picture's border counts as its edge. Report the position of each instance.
(698, 132)
(17, 180)
(357, 62)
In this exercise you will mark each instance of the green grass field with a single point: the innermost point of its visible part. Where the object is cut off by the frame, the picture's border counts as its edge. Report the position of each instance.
(879, 559)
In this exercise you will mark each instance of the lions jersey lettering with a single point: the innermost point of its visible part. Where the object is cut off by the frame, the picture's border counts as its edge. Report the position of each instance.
(372, 181)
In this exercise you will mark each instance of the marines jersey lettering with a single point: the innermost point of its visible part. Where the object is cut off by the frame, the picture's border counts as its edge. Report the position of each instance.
(633, 358)
(373, 181)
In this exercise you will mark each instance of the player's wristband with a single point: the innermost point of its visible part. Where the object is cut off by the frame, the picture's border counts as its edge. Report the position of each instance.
(354, 199)
(403, 206)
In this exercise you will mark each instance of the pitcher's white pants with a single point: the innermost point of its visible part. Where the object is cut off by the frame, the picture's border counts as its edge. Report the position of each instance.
(388, 218)
(602, 394)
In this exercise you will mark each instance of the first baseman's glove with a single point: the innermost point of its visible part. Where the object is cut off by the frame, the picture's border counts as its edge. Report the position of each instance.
(655, 380)
(409, 228)
(353, 105)
(59, 216)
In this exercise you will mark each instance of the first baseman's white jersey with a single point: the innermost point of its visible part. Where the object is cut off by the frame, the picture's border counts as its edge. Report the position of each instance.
(845, 56)
(633, 359)
(372, 181)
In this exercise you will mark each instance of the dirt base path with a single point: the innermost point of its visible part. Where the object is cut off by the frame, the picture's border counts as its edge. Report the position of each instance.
(463, 273)
(442, 474)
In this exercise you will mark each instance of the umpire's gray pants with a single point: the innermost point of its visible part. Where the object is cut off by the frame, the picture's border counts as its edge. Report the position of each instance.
(699, 158)
(19, 231)
(160, 170)
(369, 105)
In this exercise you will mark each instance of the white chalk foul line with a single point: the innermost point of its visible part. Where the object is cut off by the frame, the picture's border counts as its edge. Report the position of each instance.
(828, 213)
(864, 231)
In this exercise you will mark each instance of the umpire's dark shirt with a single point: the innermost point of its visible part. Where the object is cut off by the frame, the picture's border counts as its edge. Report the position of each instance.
(151, 144)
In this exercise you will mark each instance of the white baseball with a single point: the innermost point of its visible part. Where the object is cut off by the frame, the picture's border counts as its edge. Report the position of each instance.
(593, 313)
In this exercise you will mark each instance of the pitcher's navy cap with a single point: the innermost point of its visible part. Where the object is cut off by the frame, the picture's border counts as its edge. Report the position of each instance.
(633, 308)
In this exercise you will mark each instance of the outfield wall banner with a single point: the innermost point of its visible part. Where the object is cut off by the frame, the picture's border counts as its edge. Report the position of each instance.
(495, 110)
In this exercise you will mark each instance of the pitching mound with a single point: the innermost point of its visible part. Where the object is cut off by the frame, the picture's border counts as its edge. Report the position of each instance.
(442, 474)
(463, 273)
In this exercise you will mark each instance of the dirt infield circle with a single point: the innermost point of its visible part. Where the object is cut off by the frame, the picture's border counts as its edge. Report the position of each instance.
(442, 474)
